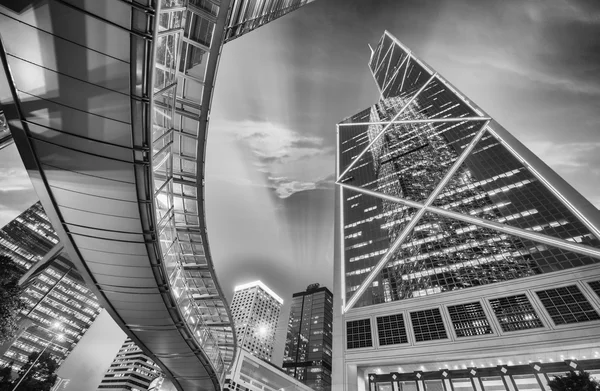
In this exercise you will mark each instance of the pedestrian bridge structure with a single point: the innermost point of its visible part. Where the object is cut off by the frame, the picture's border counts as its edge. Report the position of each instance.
(107, 102)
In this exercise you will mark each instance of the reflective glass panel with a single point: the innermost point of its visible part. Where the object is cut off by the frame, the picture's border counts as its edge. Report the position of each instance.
(469, 319)
(462, 385)
(515, 313)
(371, 225)
(493, 383)
(494, 185)
(567, 305)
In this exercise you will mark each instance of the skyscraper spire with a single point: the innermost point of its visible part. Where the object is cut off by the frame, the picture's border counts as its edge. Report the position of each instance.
(457, 247)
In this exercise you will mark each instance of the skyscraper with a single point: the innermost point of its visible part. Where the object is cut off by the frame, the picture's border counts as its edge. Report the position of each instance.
(130, 370)
(255, 309)
(307, 355)
(462, 260)
(246, 15)
(60, 308)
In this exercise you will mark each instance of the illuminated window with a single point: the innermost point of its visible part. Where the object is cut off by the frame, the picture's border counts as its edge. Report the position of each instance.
(469, 319)
(515, 313)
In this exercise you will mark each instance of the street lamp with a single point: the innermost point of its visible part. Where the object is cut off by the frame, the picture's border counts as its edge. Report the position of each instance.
(58, 336)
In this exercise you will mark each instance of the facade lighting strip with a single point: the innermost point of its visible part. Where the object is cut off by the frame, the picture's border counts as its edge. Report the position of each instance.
(386, 127)
(418, 121)
(422, 208)
(387, 69)
(382, 60)
(342, 252)
(595, 230)
(525, 234)
(531, 235)
(386, 85)
(408, 57)
(548, 185)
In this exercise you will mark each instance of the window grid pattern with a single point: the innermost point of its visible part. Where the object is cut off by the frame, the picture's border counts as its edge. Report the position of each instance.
(391, 330)
(358, 334)
(567, 305)
(595, 285)
(469, 320)
(407, 161)
(428, 325)
(515, 313)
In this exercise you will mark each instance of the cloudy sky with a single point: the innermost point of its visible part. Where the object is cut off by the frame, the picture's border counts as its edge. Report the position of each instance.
(533, 65)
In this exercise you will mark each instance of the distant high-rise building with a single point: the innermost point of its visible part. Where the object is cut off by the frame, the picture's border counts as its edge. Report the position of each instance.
(247, 15)
(307, 355)
(130, 370)
(255, 309)
(462, 261)
(60, 308)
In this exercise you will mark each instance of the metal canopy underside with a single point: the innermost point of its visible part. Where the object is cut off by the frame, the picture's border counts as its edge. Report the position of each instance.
(100, 114)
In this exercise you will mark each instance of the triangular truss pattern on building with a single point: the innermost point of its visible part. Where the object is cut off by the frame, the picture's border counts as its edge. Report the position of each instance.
(416, 130)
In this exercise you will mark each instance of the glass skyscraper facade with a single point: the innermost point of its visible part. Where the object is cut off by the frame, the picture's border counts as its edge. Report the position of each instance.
(307, 355)
(255, 309)
(422, 144)
(130, 370)
(462, 261)
(57, 300)
(246, 15)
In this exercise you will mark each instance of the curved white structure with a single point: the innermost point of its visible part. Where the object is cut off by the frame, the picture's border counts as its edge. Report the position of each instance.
(105, 102)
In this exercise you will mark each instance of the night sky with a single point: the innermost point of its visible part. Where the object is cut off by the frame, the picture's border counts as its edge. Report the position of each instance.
(533, 65)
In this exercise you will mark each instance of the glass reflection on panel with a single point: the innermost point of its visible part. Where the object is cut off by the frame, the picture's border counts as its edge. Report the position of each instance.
(526, 382)
(407, 386)
(435, 385)
(493, 383)
(462, 385)
(384, 387)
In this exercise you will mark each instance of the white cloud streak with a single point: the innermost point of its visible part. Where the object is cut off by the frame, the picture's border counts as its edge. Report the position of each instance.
(16, 192)
(503, 64)
(291, 161)
(569, 156)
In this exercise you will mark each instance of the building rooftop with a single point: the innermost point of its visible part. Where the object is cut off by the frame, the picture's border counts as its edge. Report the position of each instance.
(262, 286)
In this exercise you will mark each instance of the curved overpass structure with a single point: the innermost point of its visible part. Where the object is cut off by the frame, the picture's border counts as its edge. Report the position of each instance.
(107, 102)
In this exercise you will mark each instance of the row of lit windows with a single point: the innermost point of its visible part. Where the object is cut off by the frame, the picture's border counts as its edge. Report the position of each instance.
(564, 305)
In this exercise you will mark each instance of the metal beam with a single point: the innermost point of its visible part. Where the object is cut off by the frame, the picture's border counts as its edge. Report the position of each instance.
(418, 121)
(42, 264)
(412, 223)
(386, 127)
